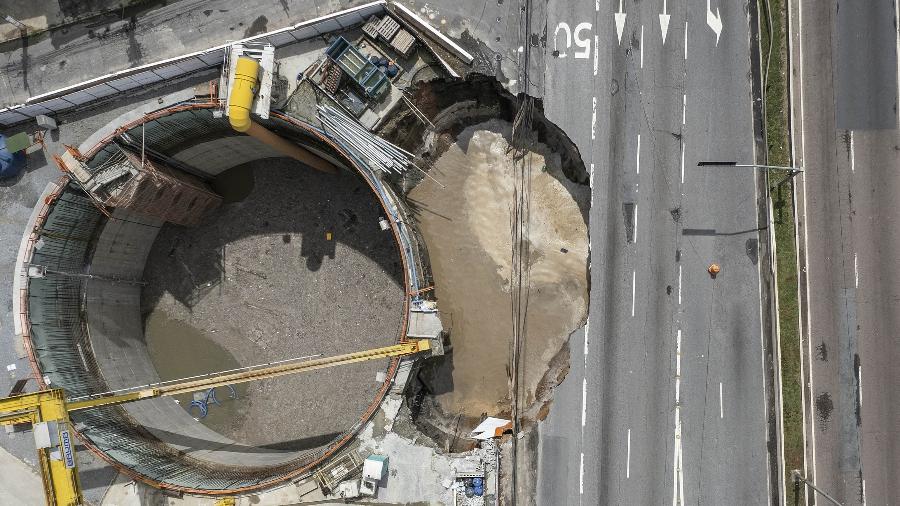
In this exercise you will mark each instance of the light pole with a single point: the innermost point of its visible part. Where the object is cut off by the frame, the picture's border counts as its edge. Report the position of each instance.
(18, 24)
(792, 171)
(799, 477)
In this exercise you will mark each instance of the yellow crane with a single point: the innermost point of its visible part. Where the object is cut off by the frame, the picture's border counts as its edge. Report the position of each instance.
(48, 411)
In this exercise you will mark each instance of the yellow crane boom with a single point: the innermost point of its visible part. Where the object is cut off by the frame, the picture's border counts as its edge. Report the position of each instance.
(48, 411)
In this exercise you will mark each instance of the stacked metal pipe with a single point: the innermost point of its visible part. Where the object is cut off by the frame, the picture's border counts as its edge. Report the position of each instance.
(375, 151)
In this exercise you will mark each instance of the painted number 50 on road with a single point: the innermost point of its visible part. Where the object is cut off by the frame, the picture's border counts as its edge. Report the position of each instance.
(582, 45)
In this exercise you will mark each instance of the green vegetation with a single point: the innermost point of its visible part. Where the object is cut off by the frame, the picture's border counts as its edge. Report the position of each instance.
(773, 45)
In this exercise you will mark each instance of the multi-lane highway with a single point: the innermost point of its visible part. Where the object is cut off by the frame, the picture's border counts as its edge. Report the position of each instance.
(845, 106)
(666, 399)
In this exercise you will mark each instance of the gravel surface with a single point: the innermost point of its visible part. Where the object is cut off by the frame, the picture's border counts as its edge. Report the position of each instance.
(259, 281)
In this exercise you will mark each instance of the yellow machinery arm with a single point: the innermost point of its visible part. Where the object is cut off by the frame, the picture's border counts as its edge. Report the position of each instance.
(48, 411)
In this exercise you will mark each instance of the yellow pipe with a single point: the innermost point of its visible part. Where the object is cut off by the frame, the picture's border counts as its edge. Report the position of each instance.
(245, 78)
(239, 103)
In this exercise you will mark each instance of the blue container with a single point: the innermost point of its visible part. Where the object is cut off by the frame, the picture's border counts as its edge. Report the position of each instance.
(11, 164)
(477, 482)
(479, 490)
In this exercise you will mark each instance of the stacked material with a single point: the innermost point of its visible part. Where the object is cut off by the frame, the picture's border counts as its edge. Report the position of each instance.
(403, 42)
(374, 150)
(388, 28)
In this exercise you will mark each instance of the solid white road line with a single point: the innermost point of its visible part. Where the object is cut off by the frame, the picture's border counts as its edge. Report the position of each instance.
(642, 46)
(855, 271)
(677, 461)
(721, 405)
(593, 117)
(591, 183)
(633, 289)
(638, 159)
(679, 286)
(628, 457)
(852, 154)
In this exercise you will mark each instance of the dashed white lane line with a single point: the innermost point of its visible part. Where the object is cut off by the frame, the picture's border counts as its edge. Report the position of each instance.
(682, 162)
(638, 151)
(584, 402)
(679, 286)
(587, 334)
(596, 52)
(852, 154)
(628, 457)
(591, 180)
(683, 108)
(685, 40)
(635, 223)
(855, 271)
(642, 46)
(859, 384)
(633, 290)
(721, 405)
(593, 117)
(581, 475)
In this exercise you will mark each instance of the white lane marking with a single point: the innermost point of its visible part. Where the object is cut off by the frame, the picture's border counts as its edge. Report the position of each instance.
(638, 160)
(721, 405)
(635, 223)
(685, 40)
(679, 286)
(642, 46)
(678, 367)
(809, 465)
(682, 162)
(597, 5)
(587, 334)
(859, 384)
(620, 20)
(628, 457)
(864, 492)
(852, 154)
(591, 182)
(664, 22)
(677, 461)
(584, 402)
(596, 52)
(855, 271)
(633, 290)
(683, 108)
(581, 476)
(714, 21)
(593, 117)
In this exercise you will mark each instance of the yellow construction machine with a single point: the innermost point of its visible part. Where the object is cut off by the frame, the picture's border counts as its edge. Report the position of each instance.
(48, 411)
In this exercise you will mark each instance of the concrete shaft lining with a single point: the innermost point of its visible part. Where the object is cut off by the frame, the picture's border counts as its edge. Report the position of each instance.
(193, 458)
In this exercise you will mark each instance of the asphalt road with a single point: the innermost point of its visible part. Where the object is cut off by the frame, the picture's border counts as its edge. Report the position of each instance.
(846, 137)
(672, 403)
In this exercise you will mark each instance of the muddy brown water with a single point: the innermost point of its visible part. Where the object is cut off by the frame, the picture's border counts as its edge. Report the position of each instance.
(466, 225)
(180, 351)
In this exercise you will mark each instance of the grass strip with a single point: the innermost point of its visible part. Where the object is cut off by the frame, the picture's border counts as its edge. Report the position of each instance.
(781, 187)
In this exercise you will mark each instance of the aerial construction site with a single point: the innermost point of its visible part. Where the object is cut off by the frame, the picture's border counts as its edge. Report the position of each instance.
(292, 268)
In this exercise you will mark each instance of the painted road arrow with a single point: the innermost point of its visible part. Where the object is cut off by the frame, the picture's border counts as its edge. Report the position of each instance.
(620, 20)
(664, 22)
(714, 21)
